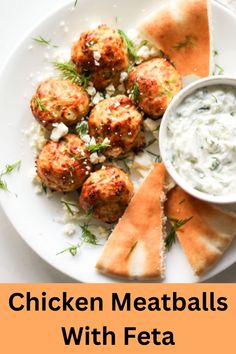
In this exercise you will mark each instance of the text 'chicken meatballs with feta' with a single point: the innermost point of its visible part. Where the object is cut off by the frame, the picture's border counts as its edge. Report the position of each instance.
(63, 166)
(103, 54)
(59, 101)
(107, 192)
(152, 85)
(118, 120)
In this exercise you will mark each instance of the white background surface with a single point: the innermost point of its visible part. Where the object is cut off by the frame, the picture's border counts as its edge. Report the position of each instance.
(18, 262)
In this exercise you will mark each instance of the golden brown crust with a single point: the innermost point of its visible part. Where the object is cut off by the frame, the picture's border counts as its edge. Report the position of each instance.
(140, 229)
(57, 100)
(112, 55)
(207, 235)
(63, 166)
(118, 120)
(182, 33)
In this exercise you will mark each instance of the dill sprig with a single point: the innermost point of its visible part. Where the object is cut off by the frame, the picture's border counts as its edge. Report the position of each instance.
(176, 225)
(188, 42)
(44, 41)
(97, 147)
(130, 46)
(69, 206)
(8, 170)
(135, 92)
(40, 104)
(82, 128)
(68, 71)
(218, 70)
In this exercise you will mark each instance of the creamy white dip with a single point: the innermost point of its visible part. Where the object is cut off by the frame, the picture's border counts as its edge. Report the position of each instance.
(201, 140)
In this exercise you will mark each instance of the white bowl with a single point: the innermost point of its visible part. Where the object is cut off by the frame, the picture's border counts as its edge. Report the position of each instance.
(182, 182)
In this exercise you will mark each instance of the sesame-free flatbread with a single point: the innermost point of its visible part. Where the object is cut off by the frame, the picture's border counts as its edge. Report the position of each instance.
(207, 235)
(135, 249)
(181, 29)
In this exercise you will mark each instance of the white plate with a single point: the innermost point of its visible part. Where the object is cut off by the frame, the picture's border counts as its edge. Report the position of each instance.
(33, 215)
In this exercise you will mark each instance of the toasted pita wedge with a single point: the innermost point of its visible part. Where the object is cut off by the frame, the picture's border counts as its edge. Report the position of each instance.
(181, 29)
(135, 248)
(207, 235)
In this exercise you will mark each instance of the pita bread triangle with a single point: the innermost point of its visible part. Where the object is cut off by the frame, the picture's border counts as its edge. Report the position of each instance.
(136, 246)
(207, 235)
(181, 29)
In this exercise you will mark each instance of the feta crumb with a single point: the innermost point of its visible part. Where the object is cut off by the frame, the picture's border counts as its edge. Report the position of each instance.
(116, 104)
(92, 141)
(106, 141)
(60, 130)
(69, 229)
(97, 55)
(144, 52)
(96, 63)
(97, 98)
(91, 91)
(123, 76)
(110, 89)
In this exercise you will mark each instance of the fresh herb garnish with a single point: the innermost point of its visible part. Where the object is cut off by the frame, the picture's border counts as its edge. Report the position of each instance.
(44, 41)
(176, 225)
(75, 3)
(215, 164)
(214, 98)
(130, 46)
(143, 43)
(135, 92)
(87, 235)
(215, 53)
(157, 157)
(69, 206)
(97, 147)
(218, 70)
(68, 71)
(39, 104)
(187, 43)
(8, 169)
(82, 129)
(73, 249)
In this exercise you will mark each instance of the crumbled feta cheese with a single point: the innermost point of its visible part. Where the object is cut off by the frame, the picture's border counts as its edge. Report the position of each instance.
(96, 63)
(97, 98)
(92, 141)
(97, 55)
(116, 104)
(123, 76)
(154, 52)
(91, 91)
(144, 52)
(110, 89)
(151, 124)
(94, 158)
(60, 130)
(86, 138)
(106, 141)
(69, 229)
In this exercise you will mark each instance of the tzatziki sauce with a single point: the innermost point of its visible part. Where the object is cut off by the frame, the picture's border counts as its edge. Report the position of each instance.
(201, 140)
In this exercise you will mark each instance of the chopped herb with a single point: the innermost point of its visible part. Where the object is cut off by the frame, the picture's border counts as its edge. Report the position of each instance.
(97, 147)
(143, 43)
(39, 104)
(204, 108)
(187, 43)
(44, 41)
(69, 206)
(130, 46)
(215, 53)
(82, 129)
(151, 142)
(131, 66)
(44, 188)
(176, 225)
(8, 169)
(215, 165)
(75, 3)
(87, 235)
(73, 249)
(157, 157)
(218, 70)
(69, 72)
(214, 98)
(135, 92)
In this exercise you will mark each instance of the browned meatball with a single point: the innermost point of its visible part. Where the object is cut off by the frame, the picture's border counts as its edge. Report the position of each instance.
(57, 101)
(153, 84)
(118, 120)
(108, 192)
(103, 53)
(63, 166)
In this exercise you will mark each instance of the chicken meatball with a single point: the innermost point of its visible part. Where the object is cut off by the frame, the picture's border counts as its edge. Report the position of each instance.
(63, 166)
(57, 101)
(152, 85)
(107, 192)
(118, 120)
(103, 54)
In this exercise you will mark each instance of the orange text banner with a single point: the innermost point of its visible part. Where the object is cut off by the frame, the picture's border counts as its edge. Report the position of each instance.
(128, 318)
